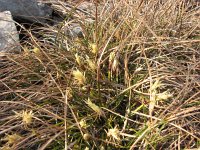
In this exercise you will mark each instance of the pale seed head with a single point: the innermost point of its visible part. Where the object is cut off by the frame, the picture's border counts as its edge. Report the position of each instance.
(111, 56)
(115, 64)
(83, 123)
(102, 148)
(163, 96)
(27, 117)
(78, 59)
(13, 138)
(87, 148)
(94, 48)
(37, 51)
(91, 64)
(94, 107)
(86, 137)
(155, 85)
(114, 133)
(79, 76)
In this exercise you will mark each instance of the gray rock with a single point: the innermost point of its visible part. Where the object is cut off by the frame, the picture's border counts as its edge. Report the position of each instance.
(9, 38)
(74, 30)
(30, 10)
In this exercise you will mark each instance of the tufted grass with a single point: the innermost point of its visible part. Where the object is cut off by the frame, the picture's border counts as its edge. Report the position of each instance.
(132, 81)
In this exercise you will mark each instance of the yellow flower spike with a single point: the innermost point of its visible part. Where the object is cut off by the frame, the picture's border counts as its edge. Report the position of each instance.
(96, 108)
(94, 48)
(78, 59)
(79, 76)
(91, 64)
(163, 96)
(114, 133)
(11, 139)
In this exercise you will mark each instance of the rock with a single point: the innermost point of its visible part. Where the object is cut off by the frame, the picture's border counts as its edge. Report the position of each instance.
(30, 10)
(9, 38)
(84, 10)
(74, 30)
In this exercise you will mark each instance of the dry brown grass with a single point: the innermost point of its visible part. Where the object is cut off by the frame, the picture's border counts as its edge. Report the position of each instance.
(144, 93)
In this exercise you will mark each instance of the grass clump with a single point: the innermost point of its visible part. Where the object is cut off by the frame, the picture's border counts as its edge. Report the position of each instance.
(132, 81)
